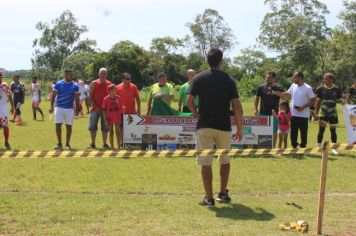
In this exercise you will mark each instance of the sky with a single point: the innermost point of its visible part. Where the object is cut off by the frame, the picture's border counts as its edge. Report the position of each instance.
(110, 21)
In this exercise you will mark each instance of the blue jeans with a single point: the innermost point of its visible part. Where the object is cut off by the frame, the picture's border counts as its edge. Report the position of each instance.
(94, 119)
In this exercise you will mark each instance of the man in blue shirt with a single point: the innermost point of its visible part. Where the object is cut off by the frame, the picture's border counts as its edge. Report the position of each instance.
(65, 91)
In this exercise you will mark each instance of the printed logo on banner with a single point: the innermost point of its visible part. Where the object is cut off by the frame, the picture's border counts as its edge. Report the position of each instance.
(185, 138)
(132, 146)
(265, 141)
(186, 146)
(135, 137)
(188, 129)
(167, 146)
(167, 137)
(149, 141)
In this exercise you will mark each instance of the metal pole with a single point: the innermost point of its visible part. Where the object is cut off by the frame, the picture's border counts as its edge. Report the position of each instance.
(324, 166)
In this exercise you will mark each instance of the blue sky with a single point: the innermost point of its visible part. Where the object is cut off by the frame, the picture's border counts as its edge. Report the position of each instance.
(110, 21)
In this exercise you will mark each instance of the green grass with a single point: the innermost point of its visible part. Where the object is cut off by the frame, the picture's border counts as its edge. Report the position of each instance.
(159, 196)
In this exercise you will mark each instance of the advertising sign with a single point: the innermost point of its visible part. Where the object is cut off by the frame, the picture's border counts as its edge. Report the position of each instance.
(178, 132)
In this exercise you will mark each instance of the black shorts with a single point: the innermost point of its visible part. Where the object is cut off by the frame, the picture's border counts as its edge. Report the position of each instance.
(331, 120)
(186, 109)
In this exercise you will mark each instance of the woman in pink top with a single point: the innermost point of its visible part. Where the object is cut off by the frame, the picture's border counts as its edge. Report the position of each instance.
(284, 116)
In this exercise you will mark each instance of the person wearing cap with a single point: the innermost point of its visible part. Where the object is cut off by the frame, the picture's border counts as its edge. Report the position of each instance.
(160, 90)
(98, 91)
(112, 110)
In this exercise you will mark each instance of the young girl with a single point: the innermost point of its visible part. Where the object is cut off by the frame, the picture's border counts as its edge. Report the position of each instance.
(112, 109)
(284, 117)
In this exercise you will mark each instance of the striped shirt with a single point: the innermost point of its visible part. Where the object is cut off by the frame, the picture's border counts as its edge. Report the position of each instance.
(65, 93)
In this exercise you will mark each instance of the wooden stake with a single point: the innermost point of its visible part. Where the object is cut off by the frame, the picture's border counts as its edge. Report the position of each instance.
(324, 166)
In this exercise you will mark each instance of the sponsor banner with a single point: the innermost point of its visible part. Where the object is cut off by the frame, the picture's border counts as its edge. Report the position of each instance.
(176, 132)
(350, 122)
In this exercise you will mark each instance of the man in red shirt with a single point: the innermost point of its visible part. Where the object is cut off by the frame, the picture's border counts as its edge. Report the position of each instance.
(98, 91)
(128, 94)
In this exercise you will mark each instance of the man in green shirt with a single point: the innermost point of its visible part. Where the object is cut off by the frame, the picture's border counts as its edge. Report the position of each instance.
(160, 90)
(183, 93)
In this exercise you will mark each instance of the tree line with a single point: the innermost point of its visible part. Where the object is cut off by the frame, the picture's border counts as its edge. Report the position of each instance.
(295, 30)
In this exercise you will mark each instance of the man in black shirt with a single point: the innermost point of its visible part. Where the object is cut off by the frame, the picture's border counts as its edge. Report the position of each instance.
(269, 100)
(18, 93)
(216, 90)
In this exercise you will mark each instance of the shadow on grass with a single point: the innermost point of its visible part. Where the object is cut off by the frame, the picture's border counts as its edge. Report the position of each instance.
(241, 212)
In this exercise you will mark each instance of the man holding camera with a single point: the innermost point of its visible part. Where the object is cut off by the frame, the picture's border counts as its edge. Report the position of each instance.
(303, 97)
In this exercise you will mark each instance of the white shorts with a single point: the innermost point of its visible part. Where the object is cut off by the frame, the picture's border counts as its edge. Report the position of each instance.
(64, 115)
(3, 116)
(36, 102)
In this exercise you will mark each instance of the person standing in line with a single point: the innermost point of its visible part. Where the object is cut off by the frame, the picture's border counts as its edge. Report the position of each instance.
(112, 109)
(87, 91)
(183, 93)
(81, 86)
(129, 96)
(216, 91)
(64, 93)
(18, 93)
(269, 101)
(284, 116)
(5, 96)
(351, 94)
(98, 91)
(50, 89)
(160, 90)
(326, 98)
(36, 98)
(303, 97)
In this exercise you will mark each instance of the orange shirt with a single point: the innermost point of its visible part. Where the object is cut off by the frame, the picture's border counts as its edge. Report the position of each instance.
(100, 91)
(127, 97)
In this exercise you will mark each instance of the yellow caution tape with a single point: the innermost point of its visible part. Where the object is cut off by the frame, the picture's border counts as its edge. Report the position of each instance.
(168, 153)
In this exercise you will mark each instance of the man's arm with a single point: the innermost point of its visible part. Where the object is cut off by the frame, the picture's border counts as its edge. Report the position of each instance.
(149, 103)
(312, 102)
(167, 96)
(284, 95)
(191, 106)
(23, 95)
(180, 103)
(77, 102)
(91, 97)
(54, 95)
(11, 103)
(317, 106)
(237, 108)
(257, 100)
(138, 103)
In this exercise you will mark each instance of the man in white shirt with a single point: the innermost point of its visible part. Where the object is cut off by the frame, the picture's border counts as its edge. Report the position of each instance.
(303, 97)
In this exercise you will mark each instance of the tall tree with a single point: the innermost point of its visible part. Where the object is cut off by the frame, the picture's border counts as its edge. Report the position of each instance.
(59, 39)
(249, 60)
(210, 30)
(296, 29)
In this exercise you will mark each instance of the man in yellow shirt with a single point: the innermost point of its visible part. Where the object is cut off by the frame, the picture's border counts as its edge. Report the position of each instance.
(160, 90)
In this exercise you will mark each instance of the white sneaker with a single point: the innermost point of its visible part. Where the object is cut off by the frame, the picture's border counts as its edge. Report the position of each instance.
(318, 144)
(334, 152)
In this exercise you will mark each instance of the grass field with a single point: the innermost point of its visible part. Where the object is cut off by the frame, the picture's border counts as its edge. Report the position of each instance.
(159, 196)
